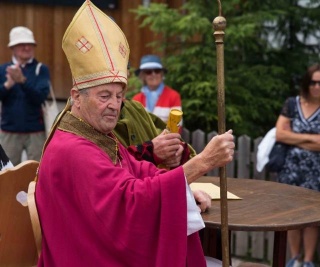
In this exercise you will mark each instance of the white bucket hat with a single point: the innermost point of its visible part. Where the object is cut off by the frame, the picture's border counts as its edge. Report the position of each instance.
(20, 35)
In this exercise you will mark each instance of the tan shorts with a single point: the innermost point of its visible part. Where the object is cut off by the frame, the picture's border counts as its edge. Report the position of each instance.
(15, 143)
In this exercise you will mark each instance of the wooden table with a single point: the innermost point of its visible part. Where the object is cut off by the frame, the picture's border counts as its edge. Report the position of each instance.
(266, 206)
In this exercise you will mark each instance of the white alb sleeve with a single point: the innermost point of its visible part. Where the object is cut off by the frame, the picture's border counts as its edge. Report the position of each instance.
(194, 219)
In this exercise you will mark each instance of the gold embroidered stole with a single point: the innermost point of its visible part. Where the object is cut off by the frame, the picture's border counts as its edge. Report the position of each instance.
(70, 123)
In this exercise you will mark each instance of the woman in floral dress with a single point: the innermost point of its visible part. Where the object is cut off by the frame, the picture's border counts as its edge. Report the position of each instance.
(300, 128)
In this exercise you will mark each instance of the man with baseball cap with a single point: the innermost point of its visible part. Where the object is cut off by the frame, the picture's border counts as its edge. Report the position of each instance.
(24, 86)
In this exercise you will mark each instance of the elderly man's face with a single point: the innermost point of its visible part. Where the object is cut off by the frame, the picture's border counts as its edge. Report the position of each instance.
(23, 52)
(99, 106)
(152, 78)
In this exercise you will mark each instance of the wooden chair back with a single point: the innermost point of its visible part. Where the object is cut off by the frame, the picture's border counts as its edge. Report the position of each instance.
(17, 243)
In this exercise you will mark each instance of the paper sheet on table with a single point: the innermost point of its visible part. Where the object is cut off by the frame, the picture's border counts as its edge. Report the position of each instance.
(212, 190)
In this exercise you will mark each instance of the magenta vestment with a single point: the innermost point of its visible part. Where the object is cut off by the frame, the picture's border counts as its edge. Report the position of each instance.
(95, 214)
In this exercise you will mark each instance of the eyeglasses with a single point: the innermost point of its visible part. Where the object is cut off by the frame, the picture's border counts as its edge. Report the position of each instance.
(314, 83)
(150, 71)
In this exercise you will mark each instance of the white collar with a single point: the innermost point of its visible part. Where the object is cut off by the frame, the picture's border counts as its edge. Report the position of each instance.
(15, 61)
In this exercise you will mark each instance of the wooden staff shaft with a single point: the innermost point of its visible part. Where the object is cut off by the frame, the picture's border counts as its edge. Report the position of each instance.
(219, 25)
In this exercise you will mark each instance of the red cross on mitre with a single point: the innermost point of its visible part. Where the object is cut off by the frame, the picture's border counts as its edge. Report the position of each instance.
(83, 45)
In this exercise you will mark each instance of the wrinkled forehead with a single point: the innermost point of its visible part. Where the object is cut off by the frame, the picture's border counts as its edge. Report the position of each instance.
(111, 88)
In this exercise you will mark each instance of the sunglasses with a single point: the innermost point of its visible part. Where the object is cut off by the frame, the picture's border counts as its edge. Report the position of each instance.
(149, 72)
(313, 83)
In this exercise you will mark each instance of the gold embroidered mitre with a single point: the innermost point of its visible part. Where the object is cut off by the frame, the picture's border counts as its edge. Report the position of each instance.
(96, 48)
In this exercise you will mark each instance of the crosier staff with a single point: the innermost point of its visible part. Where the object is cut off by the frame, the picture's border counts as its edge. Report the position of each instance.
(219, 24)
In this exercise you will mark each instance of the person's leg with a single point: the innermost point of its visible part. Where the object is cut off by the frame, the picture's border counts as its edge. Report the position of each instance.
(294, 241)
(12, 144)
(34, 145)
(310, 238)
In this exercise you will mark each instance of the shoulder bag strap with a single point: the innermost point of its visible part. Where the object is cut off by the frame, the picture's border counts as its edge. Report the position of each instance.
(38, 68)
(50, 85)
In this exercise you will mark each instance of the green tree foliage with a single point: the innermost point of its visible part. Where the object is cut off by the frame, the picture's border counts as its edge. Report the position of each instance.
(265, 51)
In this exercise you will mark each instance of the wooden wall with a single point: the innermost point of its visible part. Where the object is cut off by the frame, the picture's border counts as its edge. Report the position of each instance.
(49, 23)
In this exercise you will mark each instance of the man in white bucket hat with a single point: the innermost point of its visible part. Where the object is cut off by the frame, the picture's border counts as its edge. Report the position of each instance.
(21, 35)
(24, 86)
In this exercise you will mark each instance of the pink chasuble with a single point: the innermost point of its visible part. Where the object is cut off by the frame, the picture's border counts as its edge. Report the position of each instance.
(93, 213)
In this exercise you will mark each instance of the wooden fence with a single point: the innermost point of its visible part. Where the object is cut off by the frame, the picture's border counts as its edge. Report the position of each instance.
(247, 245)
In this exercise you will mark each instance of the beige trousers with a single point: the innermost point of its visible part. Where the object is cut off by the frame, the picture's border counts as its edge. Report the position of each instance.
(14, 144)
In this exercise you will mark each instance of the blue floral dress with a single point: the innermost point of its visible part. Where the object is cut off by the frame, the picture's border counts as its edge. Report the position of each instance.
(302, 167)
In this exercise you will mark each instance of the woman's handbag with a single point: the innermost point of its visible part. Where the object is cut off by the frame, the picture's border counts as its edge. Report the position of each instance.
(277, 157)
(50, 112)
(272, 154)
